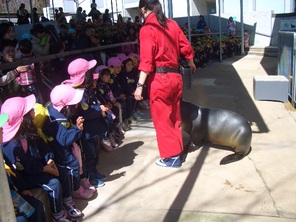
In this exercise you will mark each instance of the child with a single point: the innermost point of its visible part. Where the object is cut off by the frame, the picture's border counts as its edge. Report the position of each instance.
(8, 85)
(128, 79)
(64, 36)
(31, 159)
(115, 64)
(64, 133)
(81, 76)
(27, 79)
(105, 95)
(128, 48)
(144, 104)
(33, 213)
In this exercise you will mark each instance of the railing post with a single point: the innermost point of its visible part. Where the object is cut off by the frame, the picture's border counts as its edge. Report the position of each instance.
(6, 207)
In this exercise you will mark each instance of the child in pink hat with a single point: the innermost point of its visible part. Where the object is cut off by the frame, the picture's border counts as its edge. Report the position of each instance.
(36, 213)
(77, 69)
(136, 58)
(115, 65)
(64, 98)
(94, 125)
(32, 160)
(122, 57)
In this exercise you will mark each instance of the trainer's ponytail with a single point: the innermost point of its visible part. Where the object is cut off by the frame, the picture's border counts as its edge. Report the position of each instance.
(155, 6)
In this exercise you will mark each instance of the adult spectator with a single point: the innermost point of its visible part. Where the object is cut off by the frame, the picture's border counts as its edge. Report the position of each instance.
(44, 19)
(64, 36)
(9, 87)
(7, 32)
(87, 40)
(40, 40)
(231, 25)
(72, 24)
(35, 16)
(84, 15)
(93, 4)
(200, 24)
(95, 14)
(207, 32)
(61, 16)
(138, 20)
(56, 14)
(119, 18)
(22, 15)
(106, 17)
(79, 14)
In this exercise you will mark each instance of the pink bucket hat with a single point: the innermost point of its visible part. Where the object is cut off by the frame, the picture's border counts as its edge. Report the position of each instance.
(131, 55)
(16, 107)
(122, 57)
(100, 68)
(77, 69)
(115, 62)
(64, 95)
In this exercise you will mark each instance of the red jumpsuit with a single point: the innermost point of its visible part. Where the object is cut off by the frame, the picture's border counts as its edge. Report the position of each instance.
(161, 47)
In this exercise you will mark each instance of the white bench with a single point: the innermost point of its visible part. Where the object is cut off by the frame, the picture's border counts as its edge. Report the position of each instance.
(274, 88)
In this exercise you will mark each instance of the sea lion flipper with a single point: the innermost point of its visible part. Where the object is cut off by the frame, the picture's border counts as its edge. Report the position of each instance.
(232, 158)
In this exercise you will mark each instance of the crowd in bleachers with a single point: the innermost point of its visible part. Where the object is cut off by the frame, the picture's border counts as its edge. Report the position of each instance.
(52, 140)
(55, 144)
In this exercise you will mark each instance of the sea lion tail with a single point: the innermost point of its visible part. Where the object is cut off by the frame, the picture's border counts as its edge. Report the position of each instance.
(233, 157)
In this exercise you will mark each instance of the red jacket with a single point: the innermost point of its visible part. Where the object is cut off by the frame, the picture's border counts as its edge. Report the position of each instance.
(162, 46)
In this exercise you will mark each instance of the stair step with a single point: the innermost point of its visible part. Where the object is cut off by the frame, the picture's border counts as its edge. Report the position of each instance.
(270, 51)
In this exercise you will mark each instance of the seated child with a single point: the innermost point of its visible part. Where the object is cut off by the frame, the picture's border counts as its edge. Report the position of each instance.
(144, 104)
(105, 95)
(34, 211)
(81, 77)
(128, 79)
(114, 65)
(64, 133)
(31, 159)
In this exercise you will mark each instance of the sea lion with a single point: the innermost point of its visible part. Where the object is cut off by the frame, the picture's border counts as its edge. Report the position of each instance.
(217, 126)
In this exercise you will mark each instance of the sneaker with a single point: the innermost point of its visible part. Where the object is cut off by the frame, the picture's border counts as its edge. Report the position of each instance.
(132, 121)
(125, 126)
(139, 113)
(86, 185)
(169, 162)
(82, 193)
(100, 176)
(112, 141)
(71, 210)
(107, 145)
(136, 116)
(96, 183)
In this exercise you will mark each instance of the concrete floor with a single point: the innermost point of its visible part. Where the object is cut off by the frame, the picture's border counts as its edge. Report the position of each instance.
(261, 187)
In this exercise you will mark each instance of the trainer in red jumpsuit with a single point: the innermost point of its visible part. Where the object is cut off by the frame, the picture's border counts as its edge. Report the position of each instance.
(160, 49)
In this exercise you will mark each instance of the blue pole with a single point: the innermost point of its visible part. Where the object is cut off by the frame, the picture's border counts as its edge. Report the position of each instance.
(170, 9)
(189, 23)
